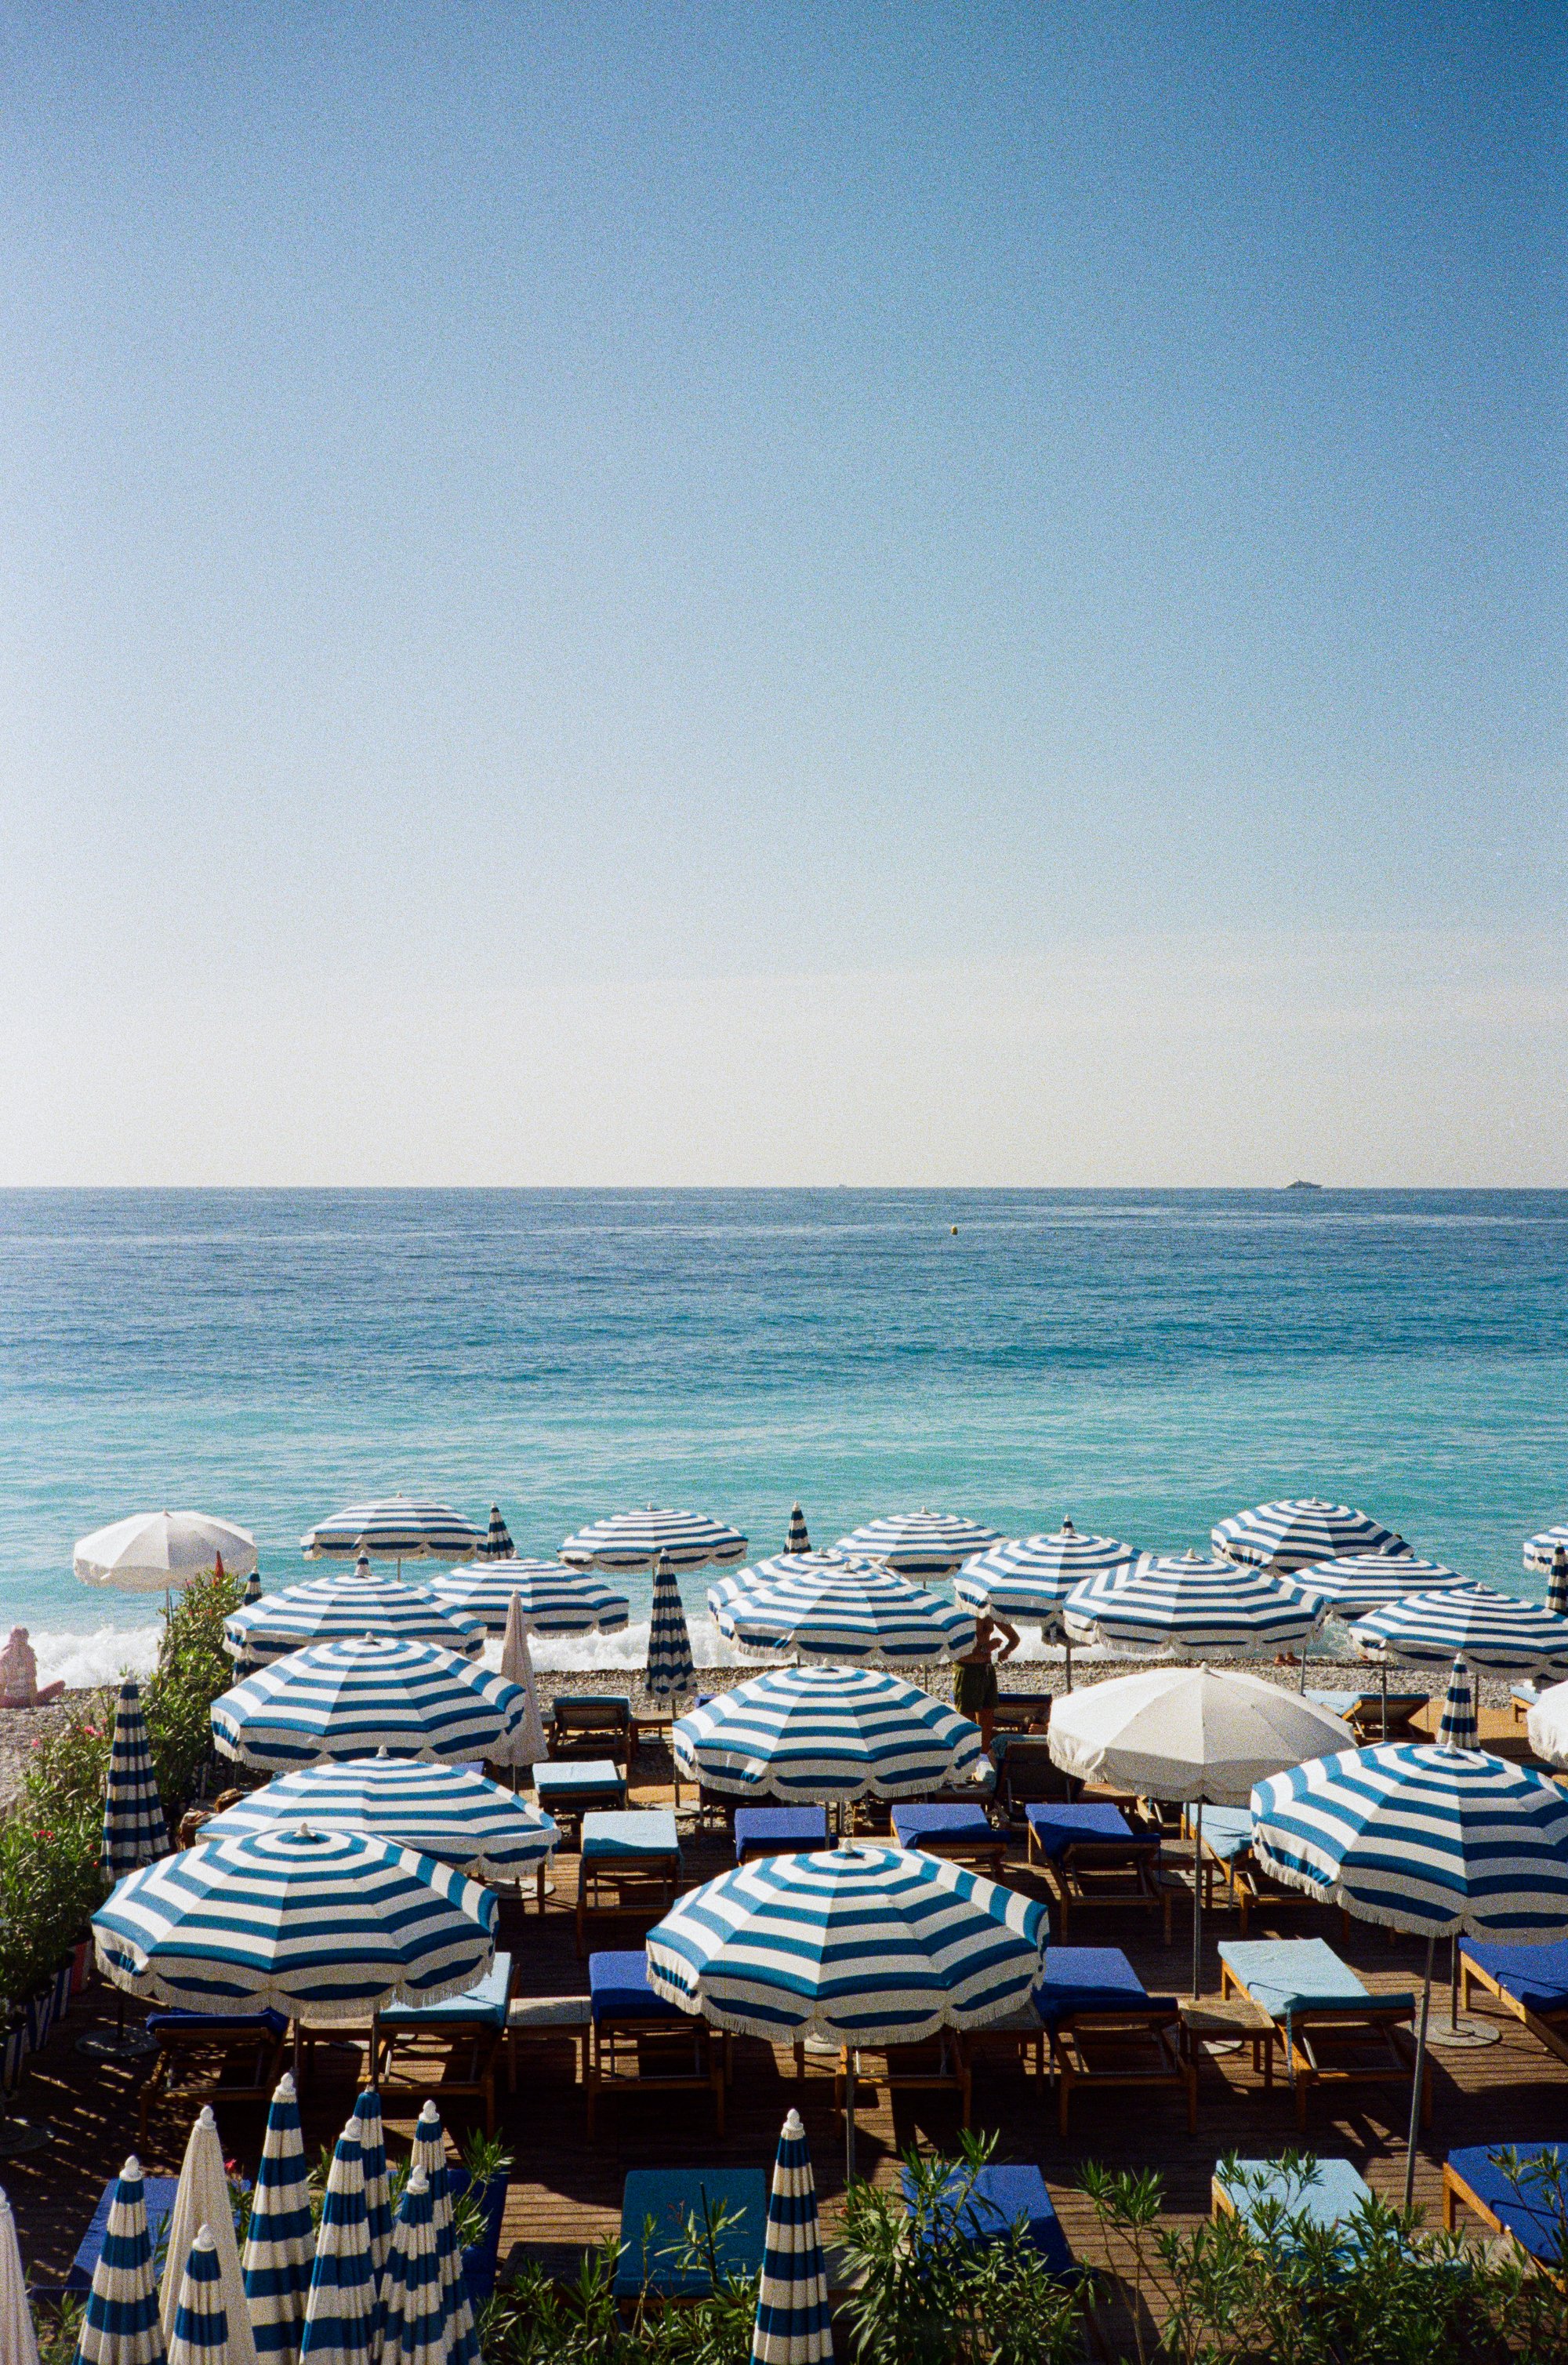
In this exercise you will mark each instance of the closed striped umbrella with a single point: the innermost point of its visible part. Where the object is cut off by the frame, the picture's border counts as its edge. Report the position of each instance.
(671, 1674)
(861, 1945)
(794, 2323)
(201, 2320)
(343, 2310)
(416, 2318)
(122, 2325)
(796, 1539)
(1541, 1551)
(252, 1588)
(18, 2341)
(920, 1544)
(348, 1602)
(134, 1829)
(1031, 1577)
(635, 1539)
(842, 1610)
(329, 1922)
(826, 1734)
(1557, 1585)
(1189, 1607)
(555, 1599)
(1287, 1535)
(373, 2162)
(1458, 1728)
(429, 2152)
(497, 1543)
(1431, 1840)
(1362, 1581)
(453, 1812)
(280, 2243)
(1494, 1633)
(350, 1698)
(394, 1528)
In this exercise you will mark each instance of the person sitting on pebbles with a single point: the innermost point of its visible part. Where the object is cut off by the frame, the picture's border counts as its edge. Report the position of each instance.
(20, 1685)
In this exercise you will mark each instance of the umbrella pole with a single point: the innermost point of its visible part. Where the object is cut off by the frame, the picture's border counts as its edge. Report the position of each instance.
(1420, 2073)
(849, 2118)
(1198, 1901)
(1385, 1682)
(1067, 1653)
(1303, 1685)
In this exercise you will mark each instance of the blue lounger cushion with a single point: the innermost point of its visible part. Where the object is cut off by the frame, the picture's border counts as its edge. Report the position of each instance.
(656, 2204)
(1332, 2196)
(1227, 1830)
(220, 2024)
(1093, 1978)
(804, 1827)
(1056, 1828)
(948, 1821)
(484, 2005)
(1001, 2198)
(1523, 2206)
(158, 2191)
(1533, 1976)
(619, 1989)
(630, 1836)
(579, 1776)
(1291, 1975)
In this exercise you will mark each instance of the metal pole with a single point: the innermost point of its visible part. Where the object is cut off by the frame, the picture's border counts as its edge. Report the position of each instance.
(849, 2117)
(1420, 2073)
(1197, 1902)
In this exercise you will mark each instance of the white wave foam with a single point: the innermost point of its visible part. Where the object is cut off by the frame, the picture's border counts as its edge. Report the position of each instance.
(82, 1660)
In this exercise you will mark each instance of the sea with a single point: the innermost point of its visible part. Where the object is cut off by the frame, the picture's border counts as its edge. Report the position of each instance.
(1145, 1361)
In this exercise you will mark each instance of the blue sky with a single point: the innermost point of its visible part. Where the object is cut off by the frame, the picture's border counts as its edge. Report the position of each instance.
(503, 505)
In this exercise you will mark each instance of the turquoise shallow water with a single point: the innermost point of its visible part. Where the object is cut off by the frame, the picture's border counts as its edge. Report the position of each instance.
(1143, 1361)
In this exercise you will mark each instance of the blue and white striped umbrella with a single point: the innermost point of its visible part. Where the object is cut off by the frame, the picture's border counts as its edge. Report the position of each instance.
(1363, 1581)
(1557, 1589)
(134, 1829)
(1492, 1632)
(497, 1543)
(343, 2311)
(824, 1560)
(864, 1946)
(635, 1539)
(201, 2320)
(373, 2163)
(555, 1599)
(797, 1539)
(920, 1544)
(1192, 1608)
(1031, 1578)
(1287, 1536)
(329, 1922)
(122, 2325)
(350, 1698)
(794, 2323)
(428, 2152)
(1458, 1728)
(1421, 1838)
(825, 1733)
(253, 1589)
(416, 2320)
(280, 2243)
(349, 1603)
(1541, 1550)
(841, 1611)
(453, 1812)
(671, 1674)
(395, 1528)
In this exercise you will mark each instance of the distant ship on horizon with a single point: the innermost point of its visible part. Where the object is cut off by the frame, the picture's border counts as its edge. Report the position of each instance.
(1304, 1186)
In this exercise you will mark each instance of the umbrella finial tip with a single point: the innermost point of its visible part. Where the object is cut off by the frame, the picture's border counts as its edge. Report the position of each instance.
(207, 2118)
(794, 2126)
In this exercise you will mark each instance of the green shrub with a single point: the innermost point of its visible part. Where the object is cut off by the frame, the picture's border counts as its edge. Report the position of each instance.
(532, 2322)
(193, 1669)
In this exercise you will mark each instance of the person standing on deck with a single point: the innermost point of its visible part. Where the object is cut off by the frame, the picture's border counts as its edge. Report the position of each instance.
(974, 1692)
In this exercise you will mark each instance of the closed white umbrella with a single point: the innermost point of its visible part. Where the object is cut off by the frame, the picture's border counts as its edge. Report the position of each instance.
(527, 1745)
(1190, 1734)
(201, 2198)
(158, 1552)
(1547, 1725)
(18, 2342)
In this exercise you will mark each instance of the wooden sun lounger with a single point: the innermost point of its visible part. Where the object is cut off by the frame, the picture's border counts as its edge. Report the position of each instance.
(638, 2041)
(1476, 2179)
(1092, 1855)
(207, 2044)
(629, 1868)
(941, 2064)
(445, 2052)
(1105, 2029)
(1332, 2032)
(1532, 1982)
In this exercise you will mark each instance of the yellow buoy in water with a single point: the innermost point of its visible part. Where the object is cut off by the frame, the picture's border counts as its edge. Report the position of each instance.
(955, 1231)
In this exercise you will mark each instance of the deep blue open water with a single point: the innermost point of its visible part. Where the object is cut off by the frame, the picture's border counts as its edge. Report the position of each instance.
(1145, 1360)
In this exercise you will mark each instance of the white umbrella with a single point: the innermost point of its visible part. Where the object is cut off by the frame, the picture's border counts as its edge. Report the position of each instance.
(18, 2342)
(527, 1745)
(1547, 1725)
(1190, 1734)
(154, 1552)
(201, 2198)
